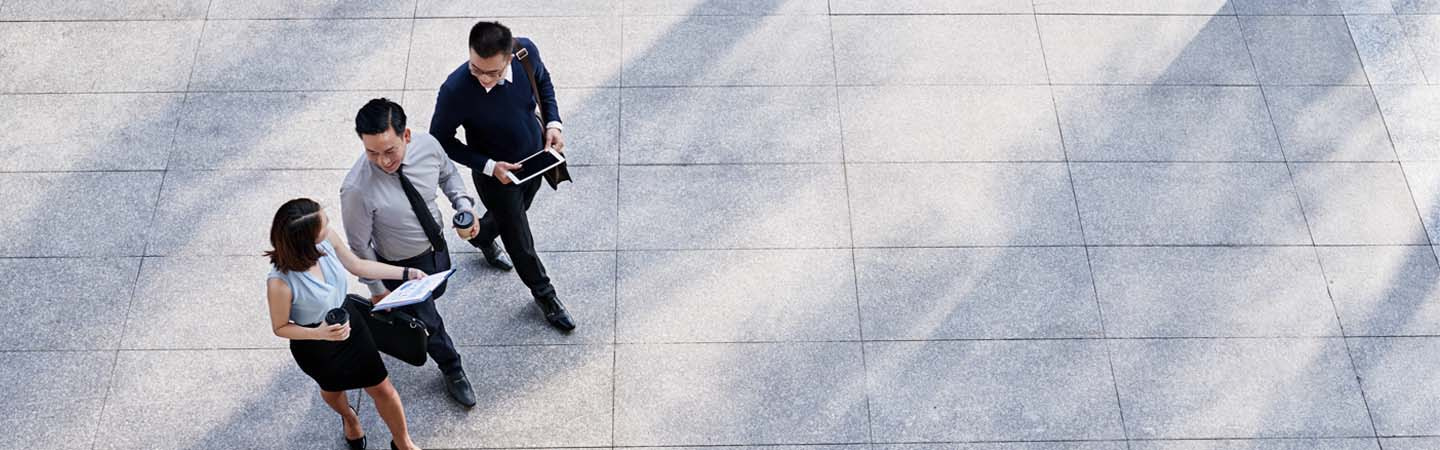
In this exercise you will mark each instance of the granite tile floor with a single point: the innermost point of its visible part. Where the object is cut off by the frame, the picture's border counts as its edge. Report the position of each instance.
(797, 224)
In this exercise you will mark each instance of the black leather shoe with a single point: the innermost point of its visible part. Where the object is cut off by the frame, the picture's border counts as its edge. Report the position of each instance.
(555, 313)
(355, 444)
(494, 255)
(458, 386)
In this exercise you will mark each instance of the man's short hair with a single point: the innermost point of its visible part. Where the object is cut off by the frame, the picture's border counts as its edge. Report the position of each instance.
(489, 39)
(379, 115)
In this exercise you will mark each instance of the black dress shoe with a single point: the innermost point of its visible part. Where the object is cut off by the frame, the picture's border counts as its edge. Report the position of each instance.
(494, 255)
(458, 386)
(555, 313)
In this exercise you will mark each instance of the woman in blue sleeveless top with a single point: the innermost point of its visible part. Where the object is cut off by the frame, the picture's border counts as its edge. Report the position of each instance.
(307, 281)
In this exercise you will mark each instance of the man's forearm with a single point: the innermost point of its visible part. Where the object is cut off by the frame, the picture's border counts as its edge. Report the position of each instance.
(376, 287)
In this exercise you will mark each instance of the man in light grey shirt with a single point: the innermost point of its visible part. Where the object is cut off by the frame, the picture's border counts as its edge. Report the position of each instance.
(388, 207)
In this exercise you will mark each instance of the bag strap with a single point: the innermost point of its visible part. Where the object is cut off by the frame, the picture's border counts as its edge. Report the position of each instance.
(522, 54)
(559, 173)
(389, 317)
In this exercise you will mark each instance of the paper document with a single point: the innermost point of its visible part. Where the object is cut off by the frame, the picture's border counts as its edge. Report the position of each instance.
(414, 291)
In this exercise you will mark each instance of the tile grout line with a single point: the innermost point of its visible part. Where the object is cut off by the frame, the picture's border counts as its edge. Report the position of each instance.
(115, 356)
(748, 164)
(794, 249)
(1355, 367)
(154, 213)
(706, 86)
(598, 344)
(175, 132)
(1390, 137)
(907, 443)
(615, 298)
(1416, 204)
(1315, 250)
(1084, 241)
(850, 225)
(614, 341)
(852, 247)
(1230, 163)
(731, 445)
(617, 232)
(594, 16)
(1405, 41)
(360, 394)
(216, 91)
(405, 77)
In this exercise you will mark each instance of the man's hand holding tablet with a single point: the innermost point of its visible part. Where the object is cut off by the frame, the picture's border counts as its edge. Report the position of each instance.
(502, 171)
(530, 167)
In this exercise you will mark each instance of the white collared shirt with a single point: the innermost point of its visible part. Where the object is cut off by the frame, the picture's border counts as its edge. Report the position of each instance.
(378, 218)
(504, 79)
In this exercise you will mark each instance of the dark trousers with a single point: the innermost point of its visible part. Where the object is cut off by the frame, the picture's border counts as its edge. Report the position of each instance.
(439, 345)
(506, 216)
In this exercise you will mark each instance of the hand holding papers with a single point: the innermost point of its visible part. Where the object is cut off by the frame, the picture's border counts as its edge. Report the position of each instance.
(414, 291)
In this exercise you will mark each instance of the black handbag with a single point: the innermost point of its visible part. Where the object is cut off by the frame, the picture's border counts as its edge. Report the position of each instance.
(396, 333)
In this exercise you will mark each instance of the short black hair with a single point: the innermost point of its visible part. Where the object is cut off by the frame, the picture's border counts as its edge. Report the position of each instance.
(379, 115)
(489, 39)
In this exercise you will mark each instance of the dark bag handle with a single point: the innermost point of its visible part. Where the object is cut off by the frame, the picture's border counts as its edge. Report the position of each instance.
(390, 317)
(399, 318)
(395, 332)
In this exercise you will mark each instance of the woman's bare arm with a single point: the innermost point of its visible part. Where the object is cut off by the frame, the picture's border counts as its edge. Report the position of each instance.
(279, 297)
(365, 268)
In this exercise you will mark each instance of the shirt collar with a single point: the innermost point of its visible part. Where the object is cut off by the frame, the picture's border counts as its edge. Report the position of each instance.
(407, 162)
(506, 78)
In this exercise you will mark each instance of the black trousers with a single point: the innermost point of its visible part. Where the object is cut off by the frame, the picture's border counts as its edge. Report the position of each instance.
(506, 216)
(439, 345)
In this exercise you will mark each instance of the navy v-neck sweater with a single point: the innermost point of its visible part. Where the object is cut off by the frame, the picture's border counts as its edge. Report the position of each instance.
(499, 124)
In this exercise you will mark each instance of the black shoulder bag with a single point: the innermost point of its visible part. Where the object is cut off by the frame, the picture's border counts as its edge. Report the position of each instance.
(396, 333)
(561, 172)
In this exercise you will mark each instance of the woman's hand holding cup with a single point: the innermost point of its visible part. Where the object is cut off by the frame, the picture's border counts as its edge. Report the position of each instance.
(334, 332)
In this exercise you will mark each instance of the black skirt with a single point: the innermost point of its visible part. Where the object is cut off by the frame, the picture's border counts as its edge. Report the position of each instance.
(353, 363)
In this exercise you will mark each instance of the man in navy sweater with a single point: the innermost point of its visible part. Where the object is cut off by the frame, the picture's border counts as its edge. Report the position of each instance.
(490, 95)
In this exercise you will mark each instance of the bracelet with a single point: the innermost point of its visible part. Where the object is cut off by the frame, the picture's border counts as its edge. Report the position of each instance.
(405, 274)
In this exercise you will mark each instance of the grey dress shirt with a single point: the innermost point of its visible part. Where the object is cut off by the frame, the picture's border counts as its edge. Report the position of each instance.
(377, 216)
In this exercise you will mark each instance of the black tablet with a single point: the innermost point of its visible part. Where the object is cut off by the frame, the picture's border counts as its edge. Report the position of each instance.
(536, 164)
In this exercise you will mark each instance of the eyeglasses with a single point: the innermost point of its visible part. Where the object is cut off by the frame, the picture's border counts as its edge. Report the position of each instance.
(475, 70)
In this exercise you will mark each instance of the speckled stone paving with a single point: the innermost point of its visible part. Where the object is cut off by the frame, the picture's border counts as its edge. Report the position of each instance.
(796, 224)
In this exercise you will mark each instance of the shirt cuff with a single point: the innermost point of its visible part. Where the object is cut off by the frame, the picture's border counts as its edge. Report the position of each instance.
(465, 204)
(555, 124)
(489, 169)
